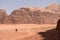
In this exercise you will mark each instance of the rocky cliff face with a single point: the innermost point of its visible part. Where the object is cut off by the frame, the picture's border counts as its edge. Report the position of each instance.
(32, 15)
(27, 16)
(54, 8)
(2, 16)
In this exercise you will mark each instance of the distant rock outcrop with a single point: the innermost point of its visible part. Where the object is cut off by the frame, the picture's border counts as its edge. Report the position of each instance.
(54, 8)
(2, 16)
(27, 16)
(32, 15)
(8, 20)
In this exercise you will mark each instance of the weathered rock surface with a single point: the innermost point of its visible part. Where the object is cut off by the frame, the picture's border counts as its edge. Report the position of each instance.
(2, 16)
(32, 15)
(54, 8)
(25, 15)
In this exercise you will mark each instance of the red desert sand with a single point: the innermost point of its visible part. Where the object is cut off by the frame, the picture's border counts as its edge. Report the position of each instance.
(24, 31)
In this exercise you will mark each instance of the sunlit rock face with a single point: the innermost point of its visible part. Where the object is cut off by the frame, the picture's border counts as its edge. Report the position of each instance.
(8, 20)
(2, 16)
(21, 16)
(31, 15)
(54, 8)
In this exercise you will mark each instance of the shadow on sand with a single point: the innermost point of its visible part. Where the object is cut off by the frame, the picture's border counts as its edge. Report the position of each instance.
(49, 34)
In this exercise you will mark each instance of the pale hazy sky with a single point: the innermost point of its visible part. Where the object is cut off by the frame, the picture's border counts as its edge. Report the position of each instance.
(10, 5)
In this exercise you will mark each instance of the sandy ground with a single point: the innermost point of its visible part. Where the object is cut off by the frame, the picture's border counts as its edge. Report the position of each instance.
(24, 32)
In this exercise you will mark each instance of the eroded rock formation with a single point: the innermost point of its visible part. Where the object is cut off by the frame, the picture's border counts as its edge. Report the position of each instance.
(35, 17)
(31, 15)
(2, 16)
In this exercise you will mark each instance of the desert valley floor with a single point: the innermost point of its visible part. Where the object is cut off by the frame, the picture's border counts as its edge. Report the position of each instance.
(27, 31)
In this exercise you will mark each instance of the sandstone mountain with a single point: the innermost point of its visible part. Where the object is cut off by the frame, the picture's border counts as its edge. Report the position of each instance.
(27, 16)
(2, 16)
(32, 15)
(54, 7)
